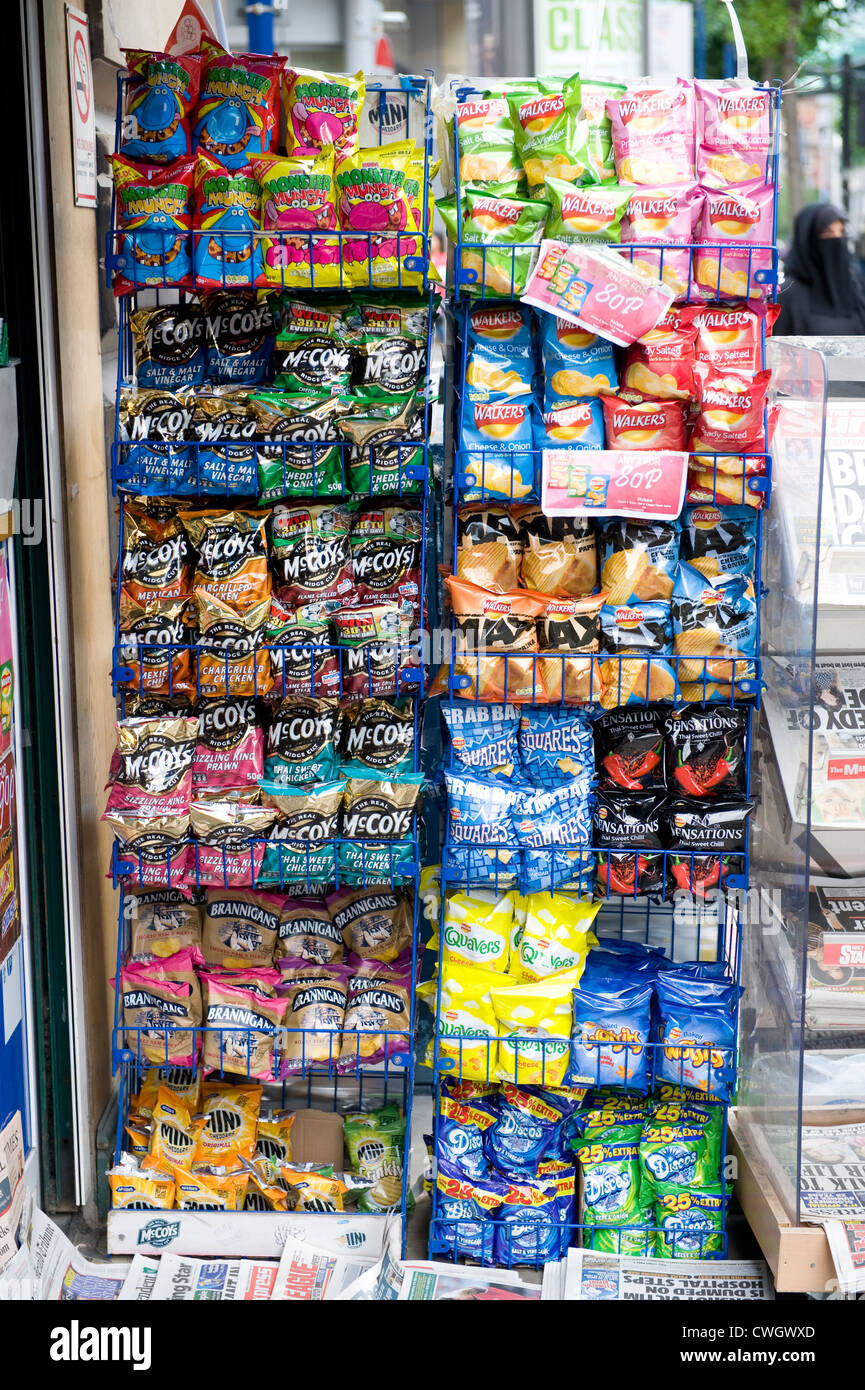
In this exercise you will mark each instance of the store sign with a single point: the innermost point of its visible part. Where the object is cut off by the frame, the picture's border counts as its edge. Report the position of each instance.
(81, 107)
(566, 40)
(565, 33)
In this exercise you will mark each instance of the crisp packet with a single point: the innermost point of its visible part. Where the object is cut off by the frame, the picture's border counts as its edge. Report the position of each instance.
(372, 199)
(720, 540)
(160, 96)
(477, 928)
(236, 115)
(322, 112)
(661, 365)
(577, 364)
(653, 131)
(483, 739)
(586, 214)
(227, 213)
(638, 559)
(496, 443)
(488, 157)
(499, 361)
(299, 195)
(666, 217)
(578, 425)
(549, 134)
(555, 746)
(738, 218)
(714, 626)
(535, 1029)
(499, 237)
(556, 936)
(733, 127)
(154, 214)
(643, 424)
(690, 1221)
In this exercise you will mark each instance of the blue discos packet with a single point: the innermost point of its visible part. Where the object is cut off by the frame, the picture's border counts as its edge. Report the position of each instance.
(525, 1127)
(555, 745)
(484, 739)
(465, 1210)
(461, 1132)
(612, 1031)
(528, 1231)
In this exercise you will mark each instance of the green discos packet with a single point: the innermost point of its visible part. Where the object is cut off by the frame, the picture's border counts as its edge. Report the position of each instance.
(690, 1220)
(681, 1145)
(613, 1197)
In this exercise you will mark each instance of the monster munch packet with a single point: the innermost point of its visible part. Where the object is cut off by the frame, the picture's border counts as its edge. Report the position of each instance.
(154, 215)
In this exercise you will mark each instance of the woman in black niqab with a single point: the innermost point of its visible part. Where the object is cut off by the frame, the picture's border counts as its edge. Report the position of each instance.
(823, 293)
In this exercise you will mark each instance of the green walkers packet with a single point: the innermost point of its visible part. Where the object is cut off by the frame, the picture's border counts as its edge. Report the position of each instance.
(391, 356)
(374, 1142)
(305, 457)
(691, 1220)
(612, 1196)
(488, 158)
(586, 214)
(602, 165)
(680, 1145)
(595, 96)
(499, 236)
(315, 349)
(551, 138)
(387, 439)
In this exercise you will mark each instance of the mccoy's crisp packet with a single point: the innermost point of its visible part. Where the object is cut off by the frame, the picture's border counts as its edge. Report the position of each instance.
(734, 133)
(499, 237)
(653, 129)
(735, 221)
(596, 288)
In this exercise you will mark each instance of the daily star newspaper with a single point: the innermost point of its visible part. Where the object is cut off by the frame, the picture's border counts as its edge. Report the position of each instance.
(587, 1274)
(183, 1279)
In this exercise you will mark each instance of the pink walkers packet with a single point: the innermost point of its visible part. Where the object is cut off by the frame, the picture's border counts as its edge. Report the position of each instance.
(733, 133)
(653, 130)
(734, 220)
(664, 217)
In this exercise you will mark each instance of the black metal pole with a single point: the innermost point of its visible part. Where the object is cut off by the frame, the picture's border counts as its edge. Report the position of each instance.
(846, 105)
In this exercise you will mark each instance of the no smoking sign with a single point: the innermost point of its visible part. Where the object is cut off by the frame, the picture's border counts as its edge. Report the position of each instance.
(82, 116)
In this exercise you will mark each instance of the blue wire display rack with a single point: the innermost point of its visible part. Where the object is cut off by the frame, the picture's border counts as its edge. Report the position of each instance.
(324, 1072)
(711, 927)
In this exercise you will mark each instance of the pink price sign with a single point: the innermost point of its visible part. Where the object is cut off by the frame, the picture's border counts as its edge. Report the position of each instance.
(598, 289)
(645, 483)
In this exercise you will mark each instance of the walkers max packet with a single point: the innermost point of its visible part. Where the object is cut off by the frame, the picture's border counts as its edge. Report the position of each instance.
(236, 115)
(160, 95)
(638, 559)
(154, 217)
(714, 627)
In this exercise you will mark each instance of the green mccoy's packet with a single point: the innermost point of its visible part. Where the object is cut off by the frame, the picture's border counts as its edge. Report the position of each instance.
(305, 423)
(499, 236)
